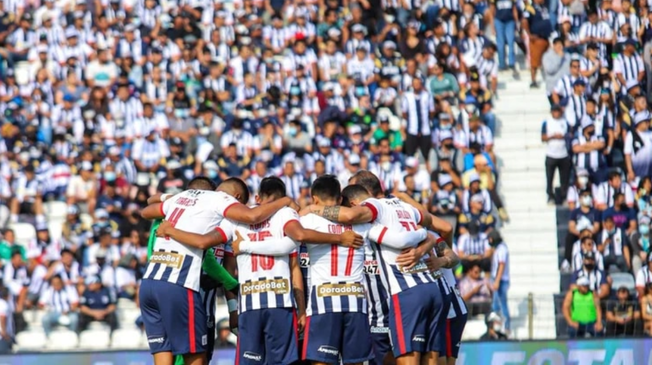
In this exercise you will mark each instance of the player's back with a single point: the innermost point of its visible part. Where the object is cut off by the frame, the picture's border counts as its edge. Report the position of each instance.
(265, 280)
(196, 211)
(336, 272)
(401, 217)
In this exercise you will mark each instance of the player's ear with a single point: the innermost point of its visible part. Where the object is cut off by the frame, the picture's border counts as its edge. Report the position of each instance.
(315, 200)
(257, 199)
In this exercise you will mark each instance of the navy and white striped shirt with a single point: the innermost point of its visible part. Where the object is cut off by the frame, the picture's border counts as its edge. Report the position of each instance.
(293, 185)
(471, 245)
(629, 66)
(59, 301)
(590, 161)
(418, 108)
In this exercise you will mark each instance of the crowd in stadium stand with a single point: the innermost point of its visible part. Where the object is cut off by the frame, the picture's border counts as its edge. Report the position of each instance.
(599, 82)
(104, 103)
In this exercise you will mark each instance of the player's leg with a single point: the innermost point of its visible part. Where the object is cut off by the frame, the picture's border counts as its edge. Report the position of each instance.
(153, 321)
(457, 325)
(323, 338)
(356, 340)
(185, 317)
(281, 336)
(251, 343)
(442, 336)
(436, 322)
(208, 298)
(407, 326)
(381, 345)
(195, 359)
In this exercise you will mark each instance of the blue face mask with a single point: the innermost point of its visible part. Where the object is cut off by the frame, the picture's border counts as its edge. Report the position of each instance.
(295, 90)
(212, 174)
(360, 91)
(292, 131)
(110, 176)
(644, 229)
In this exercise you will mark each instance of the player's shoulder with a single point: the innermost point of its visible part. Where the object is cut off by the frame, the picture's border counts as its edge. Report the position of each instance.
(362, 229)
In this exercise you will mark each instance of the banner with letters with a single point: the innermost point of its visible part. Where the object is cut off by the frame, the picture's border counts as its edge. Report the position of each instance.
(581, 352)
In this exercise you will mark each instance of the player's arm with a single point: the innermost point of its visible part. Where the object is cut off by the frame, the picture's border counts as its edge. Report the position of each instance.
(153, 211)
(428, 220)
(231, 297)
(298, 290)
(445, 255)
(353, 215)
(295, 230)
(201, 241)
(399, 240)
(277, 247)
(158, 198)
(244, 214)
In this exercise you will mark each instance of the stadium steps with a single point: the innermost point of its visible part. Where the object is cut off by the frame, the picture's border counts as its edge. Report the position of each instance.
(531, 233)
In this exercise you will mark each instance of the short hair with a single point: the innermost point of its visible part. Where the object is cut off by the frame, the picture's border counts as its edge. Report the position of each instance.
(354, 191)
(272, 186)
(241, 188)
(202, 183)
(16, 251)
(326, 187)
(613, 174)
(368, 181)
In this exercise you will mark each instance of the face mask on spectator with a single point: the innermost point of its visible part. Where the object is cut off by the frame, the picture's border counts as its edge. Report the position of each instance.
(212, 174)
(583, 180)
(295, 91)
(446, 127)
(644, 229)
(386, 165)
(497, 327)
(586, 200)
(109, 176)
(292, 131)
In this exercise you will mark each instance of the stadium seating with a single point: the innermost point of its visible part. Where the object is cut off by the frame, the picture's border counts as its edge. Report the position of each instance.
(62, 339)
(24, 232)
(127, 339)
(55, 210)
(95, 337)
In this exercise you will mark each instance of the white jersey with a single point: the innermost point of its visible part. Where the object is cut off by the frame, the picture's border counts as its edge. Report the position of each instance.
(376, 289)
(336, 272)
(458, 307)
(195, 211)
(264, 280)
(398, 216)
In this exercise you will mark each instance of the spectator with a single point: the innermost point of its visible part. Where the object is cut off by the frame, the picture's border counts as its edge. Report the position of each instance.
(473, 247)
(646, 309)
(486, 221)
(8, 246)
(614, 245)
(582, 310)
(16, 279)
(418, 109)
(638, 147)
(494, 328)
(60, 302)
(582, 182)
(644, 277)
(536, 25)
(597, 279)
(28, 197)
(586, 244)
(82, 191)
(223, 340)
(500, 276)
(6, 322)
(555, 133)
(588, 149)
(581, 218)
(126, 276)
(476, 291)
(607, 191)
(640, 243)
(505, 16)
(97, 304)
(623, 216)
(623, 315)
(555, 64)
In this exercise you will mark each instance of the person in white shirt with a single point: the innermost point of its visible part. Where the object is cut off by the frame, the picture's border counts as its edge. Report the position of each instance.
(500, 275)
(125, 277)
(608, 189)
(554, 132)
(81, 190)
(61, 302)
(6, 322)
(101, 72)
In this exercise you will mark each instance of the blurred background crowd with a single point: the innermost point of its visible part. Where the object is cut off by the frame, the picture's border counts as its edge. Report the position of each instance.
(105, 102)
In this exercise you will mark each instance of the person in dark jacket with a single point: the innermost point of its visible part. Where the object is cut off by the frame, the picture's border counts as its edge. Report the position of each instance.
(494, 328)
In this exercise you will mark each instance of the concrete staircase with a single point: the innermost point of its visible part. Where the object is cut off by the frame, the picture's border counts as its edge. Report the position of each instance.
(531, 233)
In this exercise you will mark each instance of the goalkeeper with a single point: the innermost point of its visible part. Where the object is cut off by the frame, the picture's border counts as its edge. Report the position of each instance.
(214, 275)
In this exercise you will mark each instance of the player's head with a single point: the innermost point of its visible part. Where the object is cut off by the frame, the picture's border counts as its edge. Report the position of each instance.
(368, 181)
(236, 188)
(202, 183)
(353, 195)
(271, 188)
(326, 190)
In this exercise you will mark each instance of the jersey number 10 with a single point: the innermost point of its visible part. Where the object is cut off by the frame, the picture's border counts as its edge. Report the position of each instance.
(264, 262)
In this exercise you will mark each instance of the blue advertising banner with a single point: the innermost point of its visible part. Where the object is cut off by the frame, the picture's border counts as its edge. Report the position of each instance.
(583, 352)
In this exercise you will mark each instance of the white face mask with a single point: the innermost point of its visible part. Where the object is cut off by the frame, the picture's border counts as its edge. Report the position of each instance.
(583, 180)
(586, 201)
(497, 327)
(386, 165)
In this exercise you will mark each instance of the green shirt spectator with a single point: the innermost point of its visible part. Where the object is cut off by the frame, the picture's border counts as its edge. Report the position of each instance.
(443, 84)
(8, 245)
(383, 132)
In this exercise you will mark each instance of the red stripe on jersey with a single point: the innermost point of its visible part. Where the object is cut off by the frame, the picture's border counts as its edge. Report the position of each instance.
(293, 255)
(288, 222)
(333, 260)
(221, 232)
(399, 324)
(382, 235)
(191, 321)
(229, 207)
(306, 331)
(349, 261)
(449, 341)
(374, 211)
(160, 209)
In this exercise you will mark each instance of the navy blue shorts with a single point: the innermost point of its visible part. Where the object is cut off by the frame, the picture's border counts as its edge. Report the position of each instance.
(267, 336)
(454, 330)
(174, 318)
(441, 326)
(329, 336)
(414, 317)
(381, 344)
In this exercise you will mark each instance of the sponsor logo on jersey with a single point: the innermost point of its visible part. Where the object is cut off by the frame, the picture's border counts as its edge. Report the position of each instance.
(419, 267)
(252, 356)
(156, 340)
(328, 350)
(371, 267)
(278, 286)
(418, 338)
(167, 258)
(332, 290)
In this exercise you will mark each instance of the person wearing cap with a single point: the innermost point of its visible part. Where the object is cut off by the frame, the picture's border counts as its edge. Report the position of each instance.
(223, 340)
(628, 65)
(613, 243)
(536, 24)
(476, 213)
(97, 304)
(582, 312)
(554, 132)
(390, 63)
(587, 147)
(61, 302)
(597, 278)
(383, 132)
(494, 328)
(638, 147)
(352, 166)
(384, 95)
(623, 315)
(575, 103)
(586, 244)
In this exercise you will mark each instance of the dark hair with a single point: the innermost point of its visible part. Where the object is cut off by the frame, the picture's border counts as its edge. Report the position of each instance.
(368, 181)
(326, 187)
(202, 183)
(241, 187)
(613, 174)
(57, 276)
(351, 192)
(272, 186)
(16, 251)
